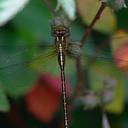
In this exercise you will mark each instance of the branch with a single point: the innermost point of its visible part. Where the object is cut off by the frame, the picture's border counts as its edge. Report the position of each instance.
(96, 18)
(80, 73)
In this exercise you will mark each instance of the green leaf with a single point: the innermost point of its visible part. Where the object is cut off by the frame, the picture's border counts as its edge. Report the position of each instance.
(39, 29)
(4, 104)
(101, 70)
(8, 9)
(88, 9)
(15, 75)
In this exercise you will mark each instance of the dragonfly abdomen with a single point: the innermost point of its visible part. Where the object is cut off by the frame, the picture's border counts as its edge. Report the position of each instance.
(61, 57)
(61, 52)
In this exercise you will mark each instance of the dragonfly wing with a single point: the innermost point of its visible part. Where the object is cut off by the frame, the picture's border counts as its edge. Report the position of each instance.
(16, 74)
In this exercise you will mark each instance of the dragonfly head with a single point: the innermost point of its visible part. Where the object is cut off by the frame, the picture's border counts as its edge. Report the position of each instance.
(60, 31)
(60, 27)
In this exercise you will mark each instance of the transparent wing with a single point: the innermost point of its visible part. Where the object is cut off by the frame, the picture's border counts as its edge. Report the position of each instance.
(21, 64)
(17, 74)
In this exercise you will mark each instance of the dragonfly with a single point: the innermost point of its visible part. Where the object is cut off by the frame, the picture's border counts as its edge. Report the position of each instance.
(61, 32)
(17, 60)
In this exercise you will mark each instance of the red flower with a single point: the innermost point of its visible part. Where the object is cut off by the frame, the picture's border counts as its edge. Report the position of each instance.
(45, 98)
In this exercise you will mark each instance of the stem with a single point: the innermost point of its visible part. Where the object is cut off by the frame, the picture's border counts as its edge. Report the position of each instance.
(96, 18)
(78, 60)
(80, 78)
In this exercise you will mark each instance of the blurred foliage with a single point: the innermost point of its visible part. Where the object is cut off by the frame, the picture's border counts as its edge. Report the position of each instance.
(26, 50)
(6, 10)
(107, 21)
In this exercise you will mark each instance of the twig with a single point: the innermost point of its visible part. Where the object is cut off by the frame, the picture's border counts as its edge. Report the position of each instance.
(97, 17)
(78, 60)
